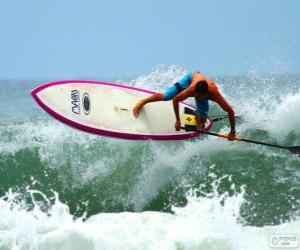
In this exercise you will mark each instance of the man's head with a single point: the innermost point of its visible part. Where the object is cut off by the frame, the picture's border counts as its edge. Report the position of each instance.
(201, 87)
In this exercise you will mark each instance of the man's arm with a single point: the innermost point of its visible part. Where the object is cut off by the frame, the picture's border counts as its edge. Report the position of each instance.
(224, 105)
(180, 97)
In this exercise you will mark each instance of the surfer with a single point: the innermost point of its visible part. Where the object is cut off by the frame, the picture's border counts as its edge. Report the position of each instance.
(192, 85)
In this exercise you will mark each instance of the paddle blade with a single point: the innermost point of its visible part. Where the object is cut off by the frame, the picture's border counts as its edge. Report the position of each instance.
(294, 150)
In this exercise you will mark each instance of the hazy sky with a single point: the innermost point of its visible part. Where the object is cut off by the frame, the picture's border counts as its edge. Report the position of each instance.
(122, 38)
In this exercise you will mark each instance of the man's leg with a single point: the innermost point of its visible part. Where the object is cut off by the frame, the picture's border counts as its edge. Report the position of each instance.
(154, 98)
(200, 121)
(168, 95)
(201, 113)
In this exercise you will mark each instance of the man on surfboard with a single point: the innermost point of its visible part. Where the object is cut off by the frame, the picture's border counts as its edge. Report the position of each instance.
(192, 85)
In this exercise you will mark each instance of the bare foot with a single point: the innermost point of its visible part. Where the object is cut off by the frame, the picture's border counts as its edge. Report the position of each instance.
(137, 109)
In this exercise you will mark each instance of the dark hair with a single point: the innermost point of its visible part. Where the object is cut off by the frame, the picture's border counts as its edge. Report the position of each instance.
(201, 87)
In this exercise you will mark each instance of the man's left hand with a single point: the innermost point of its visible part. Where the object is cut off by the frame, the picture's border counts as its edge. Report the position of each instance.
(177, 125)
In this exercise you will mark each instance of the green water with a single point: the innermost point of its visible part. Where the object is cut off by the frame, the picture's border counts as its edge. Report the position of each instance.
(95, 174)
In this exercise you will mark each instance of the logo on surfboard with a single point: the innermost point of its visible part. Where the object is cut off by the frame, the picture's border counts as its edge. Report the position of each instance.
(75, 101)
(86, 103)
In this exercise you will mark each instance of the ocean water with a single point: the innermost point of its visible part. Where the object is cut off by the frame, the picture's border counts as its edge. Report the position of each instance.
(64, 189)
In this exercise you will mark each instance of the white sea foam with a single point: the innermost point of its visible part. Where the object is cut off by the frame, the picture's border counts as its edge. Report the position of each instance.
(159, 78)
(286, 116)
(209, 222)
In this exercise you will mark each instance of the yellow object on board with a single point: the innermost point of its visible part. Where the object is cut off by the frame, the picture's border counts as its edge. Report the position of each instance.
(189, 120)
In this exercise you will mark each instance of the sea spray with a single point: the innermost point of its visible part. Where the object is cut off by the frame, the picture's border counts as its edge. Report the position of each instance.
(208, 221)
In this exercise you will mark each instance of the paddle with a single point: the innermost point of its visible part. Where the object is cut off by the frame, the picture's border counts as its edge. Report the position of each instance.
(293, 149)
(222, 117)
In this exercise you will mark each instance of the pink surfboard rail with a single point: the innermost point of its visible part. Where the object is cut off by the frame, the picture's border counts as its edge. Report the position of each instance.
(107, 133)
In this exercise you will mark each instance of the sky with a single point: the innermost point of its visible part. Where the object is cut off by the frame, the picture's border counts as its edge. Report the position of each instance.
(101, 39)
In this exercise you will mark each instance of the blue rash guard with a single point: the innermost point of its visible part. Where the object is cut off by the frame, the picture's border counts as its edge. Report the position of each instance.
(182, 84)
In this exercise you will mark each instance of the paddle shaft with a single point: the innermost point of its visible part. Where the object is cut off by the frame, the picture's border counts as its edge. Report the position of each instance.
(245, 140)
(220, 118)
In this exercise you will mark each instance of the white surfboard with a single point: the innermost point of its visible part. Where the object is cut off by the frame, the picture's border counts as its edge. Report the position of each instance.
(105, 108)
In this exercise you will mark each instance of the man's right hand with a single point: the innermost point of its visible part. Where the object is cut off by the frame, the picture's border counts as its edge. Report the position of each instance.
(177, 125)
(231, 135)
